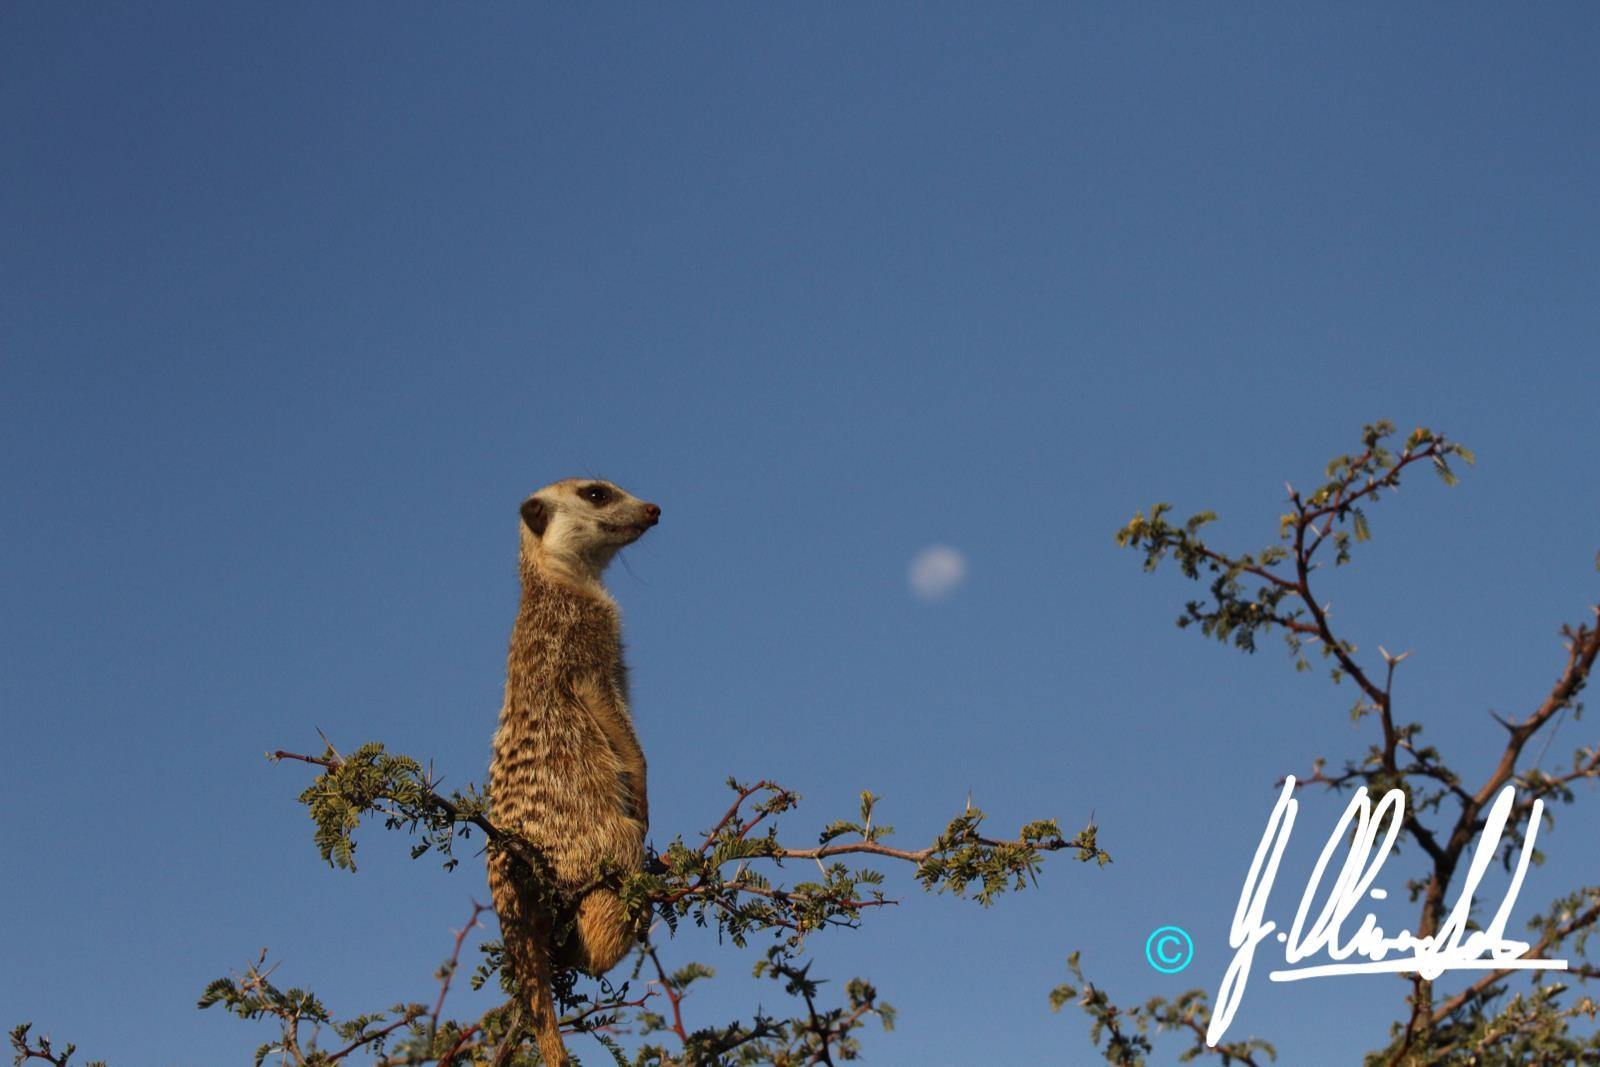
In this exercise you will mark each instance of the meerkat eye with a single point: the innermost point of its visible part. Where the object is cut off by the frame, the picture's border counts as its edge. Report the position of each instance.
(595, 494)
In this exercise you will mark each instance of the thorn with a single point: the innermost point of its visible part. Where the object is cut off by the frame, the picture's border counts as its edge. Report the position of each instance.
(336, 753)
(1393, 660)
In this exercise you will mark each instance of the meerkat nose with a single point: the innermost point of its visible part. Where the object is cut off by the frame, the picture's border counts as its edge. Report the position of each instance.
(654, 512)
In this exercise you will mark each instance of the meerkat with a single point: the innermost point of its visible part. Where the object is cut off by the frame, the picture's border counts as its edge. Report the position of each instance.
(568, 773)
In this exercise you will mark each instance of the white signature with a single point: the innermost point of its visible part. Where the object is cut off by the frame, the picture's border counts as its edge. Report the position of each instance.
(1452, 948)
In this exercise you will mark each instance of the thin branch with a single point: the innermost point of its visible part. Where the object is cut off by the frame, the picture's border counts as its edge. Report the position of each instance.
(510, 842)
(1552, 937)
(1582, 647)
(378, 1035)
(674, 997)
(449, 969)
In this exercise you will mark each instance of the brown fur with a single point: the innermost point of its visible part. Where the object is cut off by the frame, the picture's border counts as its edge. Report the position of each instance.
(568, 773)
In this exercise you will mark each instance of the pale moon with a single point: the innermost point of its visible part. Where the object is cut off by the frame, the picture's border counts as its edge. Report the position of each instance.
(936, 571)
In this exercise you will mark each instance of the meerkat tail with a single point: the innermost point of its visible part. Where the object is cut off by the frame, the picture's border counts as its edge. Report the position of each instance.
(545, 1028)
(529, 952)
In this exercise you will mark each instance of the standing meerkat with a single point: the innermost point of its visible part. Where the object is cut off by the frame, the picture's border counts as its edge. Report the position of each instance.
(568, 774)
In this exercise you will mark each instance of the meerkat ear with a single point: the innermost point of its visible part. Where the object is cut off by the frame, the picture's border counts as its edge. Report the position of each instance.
(535, 515)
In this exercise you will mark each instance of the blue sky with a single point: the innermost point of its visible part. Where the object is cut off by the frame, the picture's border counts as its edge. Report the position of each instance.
(297, 303)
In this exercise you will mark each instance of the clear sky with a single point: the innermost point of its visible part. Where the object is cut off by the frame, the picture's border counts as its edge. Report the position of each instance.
(297, 302)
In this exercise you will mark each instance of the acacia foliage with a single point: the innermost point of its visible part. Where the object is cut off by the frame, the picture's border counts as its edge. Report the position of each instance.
(1278, 589)
(729, 879)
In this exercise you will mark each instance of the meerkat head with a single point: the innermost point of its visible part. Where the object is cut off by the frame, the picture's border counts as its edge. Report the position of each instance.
(575, 526)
